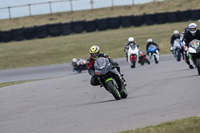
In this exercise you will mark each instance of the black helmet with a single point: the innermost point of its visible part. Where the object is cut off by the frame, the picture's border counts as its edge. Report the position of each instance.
(186, 29)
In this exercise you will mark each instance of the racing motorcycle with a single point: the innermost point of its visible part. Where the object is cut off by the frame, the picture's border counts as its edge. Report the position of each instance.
(80, 65)
(153, 53)
(110, 78)
(142, 58)
(194, 53)
(133, 55)
(178, 50)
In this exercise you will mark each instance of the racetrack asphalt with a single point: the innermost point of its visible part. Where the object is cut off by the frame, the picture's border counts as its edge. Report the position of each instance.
(67, 103)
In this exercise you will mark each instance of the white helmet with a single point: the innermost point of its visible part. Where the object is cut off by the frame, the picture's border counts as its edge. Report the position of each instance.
(74, 60)
(149, 40)
(193, 28)
(176, 32)
(130, 39)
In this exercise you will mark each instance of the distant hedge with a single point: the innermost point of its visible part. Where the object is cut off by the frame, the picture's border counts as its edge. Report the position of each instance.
(59, 29)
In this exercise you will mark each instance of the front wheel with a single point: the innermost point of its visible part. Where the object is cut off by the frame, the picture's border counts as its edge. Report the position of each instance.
(133, 63)
(178, 55)
(198, 65)
(124, 94)
(113, 89)
(156, 60)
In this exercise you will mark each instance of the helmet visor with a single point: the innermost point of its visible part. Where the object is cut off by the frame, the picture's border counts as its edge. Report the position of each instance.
(192, 29)
(94, 55)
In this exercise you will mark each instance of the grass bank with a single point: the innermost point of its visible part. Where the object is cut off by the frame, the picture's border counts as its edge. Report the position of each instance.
(188, 125)
(62, 49)
(153, 7)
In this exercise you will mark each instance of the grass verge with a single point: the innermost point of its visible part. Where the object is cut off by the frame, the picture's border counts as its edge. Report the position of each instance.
(62, 49)
(188, 125)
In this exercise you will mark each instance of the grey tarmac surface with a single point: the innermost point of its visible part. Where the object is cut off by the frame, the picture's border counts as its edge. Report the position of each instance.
(67, 103)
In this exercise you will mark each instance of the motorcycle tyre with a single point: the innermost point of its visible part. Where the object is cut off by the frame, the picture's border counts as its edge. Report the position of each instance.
(178, 55)
(113, 90)
(124, 94)
(198, 65)
(133, 63)
(156, 61)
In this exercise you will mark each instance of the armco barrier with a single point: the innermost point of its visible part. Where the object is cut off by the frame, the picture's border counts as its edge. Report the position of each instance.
(172, 17)
(54, 30)
(78, 27)
(41, 31)
(102, 24)
(114, 23)
(184, 15)
(6, 36)
(149, 19)
(29, 33)
(161, 18)
(195, 14)
(138, 20)
(17, 34)
(126, 21)
(90, 26)
(66, 28)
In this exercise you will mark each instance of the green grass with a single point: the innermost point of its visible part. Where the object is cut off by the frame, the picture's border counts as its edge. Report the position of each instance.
(188, 125)
(62, 49)
(164, 6)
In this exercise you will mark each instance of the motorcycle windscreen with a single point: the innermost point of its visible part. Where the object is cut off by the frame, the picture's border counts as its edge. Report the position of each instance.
(152, 49)
(132, 46)
(102, 66)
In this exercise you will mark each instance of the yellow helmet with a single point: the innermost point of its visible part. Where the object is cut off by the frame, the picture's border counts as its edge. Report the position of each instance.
(94, 51)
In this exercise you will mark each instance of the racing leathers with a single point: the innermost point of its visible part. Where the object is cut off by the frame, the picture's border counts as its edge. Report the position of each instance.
(188, 37)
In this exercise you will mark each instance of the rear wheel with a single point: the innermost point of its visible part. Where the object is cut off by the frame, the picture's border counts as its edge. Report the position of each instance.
(198, 65)
(113, 89)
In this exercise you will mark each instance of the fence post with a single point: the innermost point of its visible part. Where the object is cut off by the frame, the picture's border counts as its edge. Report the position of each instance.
(50, 7)
(92, 2)
(9, 12)
(29, 6)
(71, 6)
(112, 3)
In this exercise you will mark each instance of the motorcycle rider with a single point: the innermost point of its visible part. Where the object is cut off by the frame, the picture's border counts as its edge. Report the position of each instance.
(174, 37)
(94, 54)
(193, 33)
(151, 42)
(74, 64)
(130, 41)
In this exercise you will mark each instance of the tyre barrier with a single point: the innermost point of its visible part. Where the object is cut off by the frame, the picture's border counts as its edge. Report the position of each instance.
(17, 34)
(138, 20)
(172, 17)
(195, 14)
(5, 36)
(149, 19)
(66, 28)
(90, 26)
(41, 31)
(78, 27)
(29, 33)
(54, 30)
(114, 23)
(126, 21)
(184, 15)
(102, 24)
(161, 18)
(97, 24)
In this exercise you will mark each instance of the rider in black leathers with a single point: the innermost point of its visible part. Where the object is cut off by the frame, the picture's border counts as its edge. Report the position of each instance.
(192, 34)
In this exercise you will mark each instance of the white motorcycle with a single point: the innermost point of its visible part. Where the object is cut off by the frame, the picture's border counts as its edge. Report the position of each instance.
(133, 55)
(194, 53)
(178, 49)
(153, 53)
